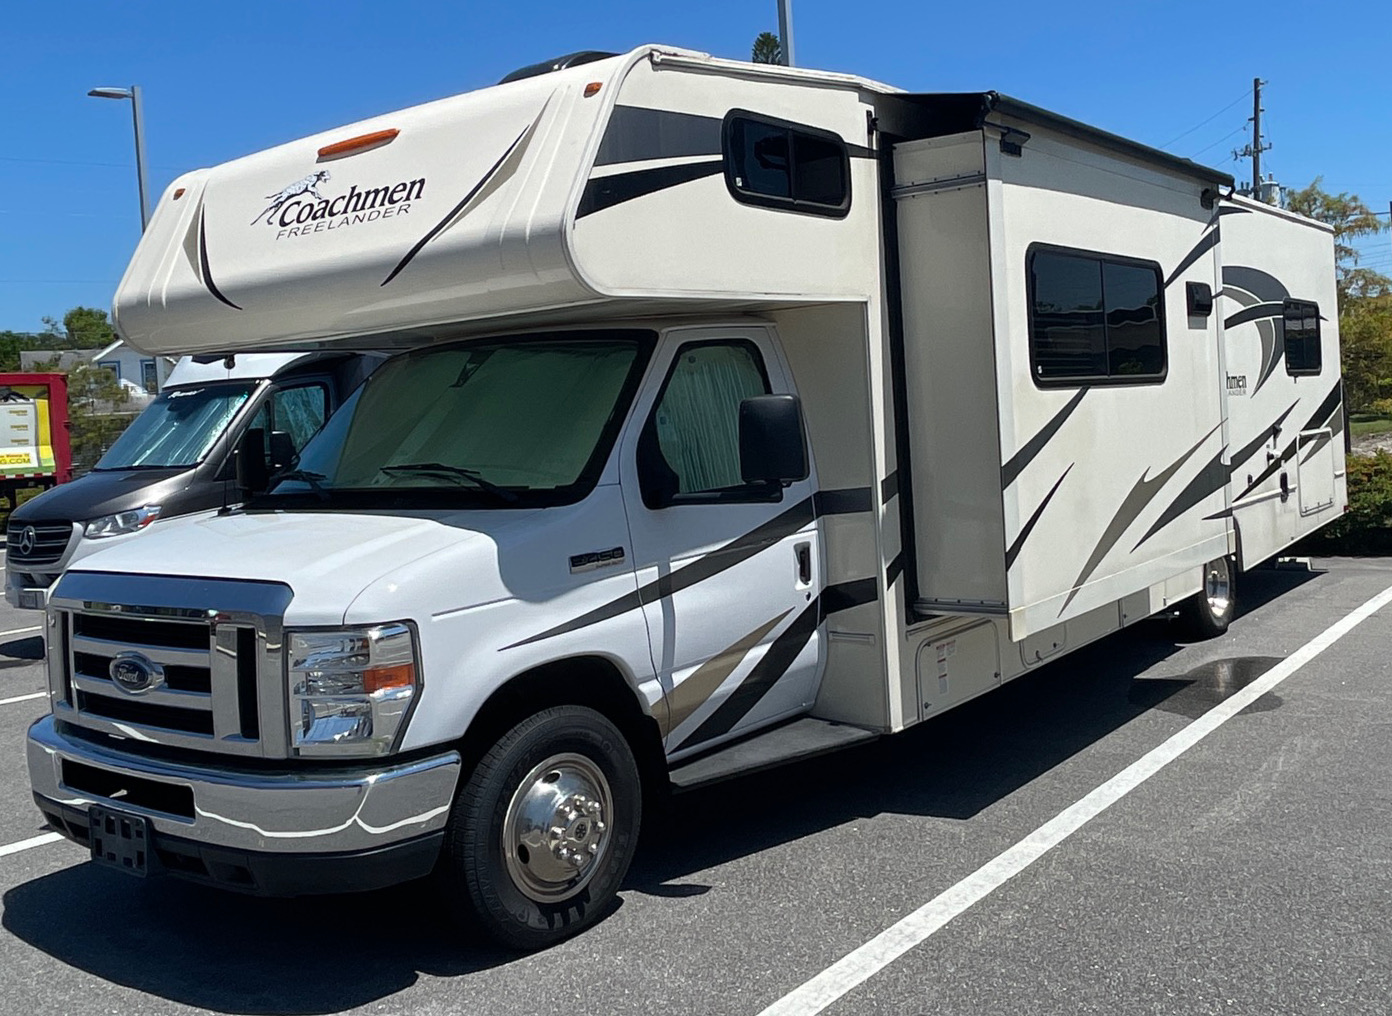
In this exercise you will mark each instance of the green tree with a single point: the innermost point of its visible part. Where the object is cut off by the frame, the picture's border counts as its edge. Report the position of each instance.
(1351, 219)
(81, 328)
(767, 49)
(98, 411)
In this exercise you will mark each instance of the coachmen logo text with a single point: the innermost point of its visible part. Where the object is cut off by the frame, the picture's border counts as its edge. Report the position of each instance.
(300, 209)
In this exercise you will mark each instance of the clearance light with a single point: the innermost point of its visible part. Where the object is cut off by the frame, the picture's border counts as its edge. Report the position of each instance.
(178, 194)
(592, 89)
(358, 144)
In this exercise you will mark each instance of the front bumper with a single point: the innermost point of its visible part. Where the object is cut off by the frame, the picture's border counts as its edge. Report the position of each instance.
(286, 832)
(21, 592)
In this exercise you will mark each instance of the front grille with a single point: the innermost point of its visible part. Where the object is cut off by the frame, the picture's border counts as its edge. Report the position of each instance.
(184, 700)
(46, 546)
(200, 661)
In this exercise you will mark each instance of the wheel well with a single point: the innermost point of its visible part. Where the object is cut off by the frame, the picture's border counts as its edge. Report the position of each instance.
(591, 681)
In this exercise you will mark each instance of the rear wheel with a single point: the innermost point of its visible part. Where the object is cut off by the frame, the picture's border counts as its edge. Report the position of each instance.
(543, 830)
(1208, 613)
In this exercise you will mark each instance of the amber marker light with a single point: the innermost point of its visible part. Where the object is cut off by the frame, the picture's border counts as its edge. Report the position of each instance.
(178, 194)
(358, 144)
(403, 675)
(592, 89)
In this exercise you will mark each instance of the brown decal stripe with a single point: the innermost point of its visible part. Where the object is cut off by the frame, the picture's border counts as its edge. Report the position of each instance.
(697, 689)
(1129, 510)
(781, 654)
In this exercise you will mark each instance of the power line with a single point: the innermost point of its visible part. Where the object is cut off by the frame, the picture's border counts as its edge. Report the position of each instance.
(1215, 144)
(1215, 116)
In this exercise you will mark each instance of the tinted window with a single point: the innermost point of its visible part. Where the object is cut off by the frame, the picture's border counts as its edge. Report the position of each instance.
(782, 166)
(1094, 319)
(1301, 320)
(693, 434)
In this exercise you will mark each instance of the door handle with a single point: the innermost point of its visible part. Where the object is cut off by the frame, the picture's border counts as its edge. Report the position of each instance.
(803, 553)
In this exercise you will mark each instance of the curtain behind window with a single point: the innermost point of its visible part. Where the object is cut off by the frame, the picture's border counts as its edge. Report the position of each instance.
(697, 420)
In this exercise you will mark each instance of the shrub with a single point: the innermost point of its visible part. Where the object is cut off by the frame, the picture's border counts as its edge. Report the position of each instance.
(1366, 528)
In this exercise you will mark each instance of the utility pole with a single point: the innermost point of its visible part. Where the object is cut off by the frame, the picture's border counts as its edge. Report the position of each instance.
(785, 31)
(1254, 150)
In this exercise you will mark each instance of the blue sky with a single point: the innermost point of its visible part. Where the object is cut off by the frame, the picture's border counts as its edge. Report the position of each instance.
(224, 79)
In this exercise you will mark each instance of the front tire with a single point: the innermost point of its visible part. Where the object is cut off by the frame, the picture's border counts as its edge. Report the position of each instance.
(1207, 613)
(542, 832)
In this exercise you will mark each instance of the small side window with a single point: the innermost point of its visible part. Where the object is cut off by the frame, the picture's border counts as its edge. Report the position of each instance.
(781, 165)
(689, 449)
(1301, 320)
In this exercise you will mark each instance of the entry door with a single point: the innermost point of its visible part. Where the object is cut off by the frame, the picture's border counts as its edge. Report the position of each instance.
(729, 572)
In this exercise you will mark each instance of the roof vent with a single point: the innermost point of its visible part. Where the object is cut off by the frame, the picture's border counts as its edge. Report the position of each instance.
(559, 63)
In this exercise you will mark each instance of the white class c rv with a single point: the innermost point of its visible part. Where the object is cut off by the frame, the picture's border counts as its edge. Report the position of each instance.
(740, 413)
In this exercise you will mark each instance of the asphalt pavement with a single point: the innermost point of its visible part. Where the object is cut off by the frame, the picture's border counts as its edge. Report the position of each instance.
(1252, 874)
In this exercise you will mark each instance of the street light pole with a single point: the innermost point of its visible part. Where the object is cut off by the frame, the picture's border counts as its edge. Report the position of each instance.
(785, 31)
(137, 118)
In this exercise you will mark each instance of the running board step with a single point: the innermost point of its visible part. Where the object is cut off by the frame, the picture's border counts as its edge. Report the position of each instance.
(791, 742)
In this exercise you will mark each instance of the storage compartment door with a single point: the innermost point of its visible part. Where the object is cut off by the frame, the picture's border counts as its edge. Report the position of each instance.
(1316, 470)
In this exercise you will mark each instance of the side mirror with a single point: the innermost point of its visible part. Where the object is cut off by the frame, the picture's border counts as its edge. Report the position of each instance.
(252, 475)
(282, 451)
(772, 442)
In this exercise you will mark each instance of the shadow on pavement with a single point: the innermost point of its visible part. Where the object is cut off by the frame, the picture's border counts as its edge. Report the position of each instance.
(227, 953)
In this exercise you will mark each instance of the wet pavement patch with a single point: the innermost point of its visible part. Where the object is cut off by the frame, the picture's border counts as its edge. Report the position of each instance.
(1202, 688)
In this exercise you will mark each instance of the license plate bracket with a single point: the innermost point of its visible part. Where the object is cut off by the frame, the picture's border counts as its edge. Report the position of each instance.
(119, 839)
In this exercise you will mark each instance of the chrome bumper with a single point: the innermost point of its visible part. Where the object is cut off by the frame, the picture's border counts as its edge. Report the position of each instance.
(316, 811)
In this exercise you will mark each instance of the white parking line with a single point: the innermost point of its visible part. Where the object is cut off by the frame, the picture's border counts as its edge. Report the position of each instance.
(36, 841)
(21, 631)
(861, 964)
(23, 698)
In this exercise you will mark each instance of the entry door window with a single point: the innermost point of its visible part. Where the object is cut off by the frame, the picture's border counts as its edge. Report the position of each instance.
(693, 436)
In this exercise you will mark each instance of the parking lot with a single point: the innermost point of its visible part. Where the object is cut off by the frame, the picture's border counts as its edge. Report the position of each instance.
(1252, 873)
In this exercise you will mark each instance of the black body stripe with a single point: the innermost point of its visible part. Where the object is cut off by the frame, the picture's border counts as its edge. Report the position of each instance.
(1261, 310)
(636, 133)
(1205, 244)
(761, 677)
(844, 502)
(1130, 509)
(1233, 210)
(1022, 458)
(1013, 551)
(717, 561)
(1264, 286)
(606, 191)
(410, 255)
(1319, 443)
(845, 595)
(895, 569)
(1250, 449)
(203, 263)
(889, 487)
(1210, 479)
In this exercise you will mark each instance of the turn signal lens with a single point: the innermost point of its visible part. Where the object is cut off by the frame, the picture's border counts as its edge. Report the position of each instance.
(403, 675)
(592, 88)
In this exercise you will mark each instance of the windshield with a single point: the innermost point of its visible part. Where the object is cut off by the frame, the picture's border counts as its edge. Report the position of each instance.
(496, 423)
(178, 428)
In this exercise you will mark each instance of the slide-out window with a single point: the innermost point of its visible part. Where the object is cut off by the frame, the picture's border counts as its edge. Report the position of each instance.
(1094, 319)
(1301, 319)
(781, 165)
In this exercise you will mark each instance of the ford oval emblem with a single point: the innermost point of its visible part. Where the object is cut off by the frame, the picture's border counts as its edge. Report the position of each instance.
(135, 673)
(28, 540)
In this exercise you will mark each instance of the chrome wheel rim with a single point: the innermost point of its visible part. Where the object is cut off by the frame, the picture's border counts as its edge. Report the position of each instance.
(1218, 588)
(557, 829)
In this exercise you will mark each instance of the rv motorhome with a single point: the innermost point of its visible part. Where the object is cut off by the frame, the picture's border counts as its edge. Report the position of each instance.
(741, 413)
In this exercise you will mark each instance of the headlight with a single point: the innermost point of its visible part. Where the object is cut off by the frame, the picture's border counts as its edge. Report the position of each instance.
(121, 523)
(350, 689)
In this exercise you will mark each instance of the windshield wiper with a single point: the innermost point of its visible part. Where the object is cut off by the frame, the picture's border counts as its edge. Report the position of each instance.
(458, 472)
(307, 477)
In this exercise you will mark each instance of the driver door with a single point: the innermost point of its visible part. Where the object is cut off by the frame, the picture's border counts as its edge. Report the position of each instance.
(729, 572)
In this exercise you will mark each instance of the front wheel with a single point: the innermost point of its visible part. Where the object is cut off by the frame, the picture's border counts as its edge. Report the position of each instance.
(1208, 613)
(543, 830)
